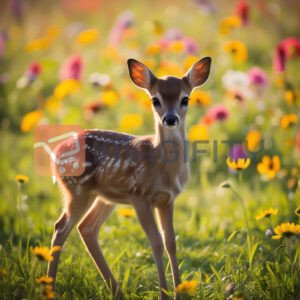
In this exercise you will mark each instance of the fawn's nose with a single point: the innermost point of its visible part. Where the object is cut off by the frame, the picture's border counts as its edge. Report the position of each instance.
(170, 120)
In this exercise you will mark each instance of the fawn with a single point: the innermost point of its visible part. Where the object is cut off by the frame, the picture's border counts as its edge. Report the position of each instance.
(147, 183)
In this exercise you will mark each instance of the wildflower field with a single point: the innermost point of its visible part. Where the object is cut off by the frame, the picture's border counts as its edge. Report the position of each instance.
(237, 220)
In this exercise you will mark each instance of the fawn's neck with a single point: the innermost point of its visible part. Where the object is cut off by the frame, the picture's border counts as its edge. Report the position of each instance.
(170, 140)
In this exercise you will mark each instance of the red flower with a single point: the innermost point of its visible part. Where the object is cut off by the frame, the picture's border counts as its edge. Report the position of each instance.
(284, 50)
(242, 11)
(71, 68)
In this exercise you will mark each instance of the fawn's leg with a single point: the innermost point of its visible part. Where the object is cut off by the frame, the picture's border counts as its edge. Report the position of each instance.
(165, 219)
(88, 229)
(75, 208)
(144, 211)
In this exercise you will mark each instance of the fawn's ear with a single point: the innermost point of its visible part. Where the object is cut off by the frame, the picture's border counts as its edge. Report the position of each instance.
(198, 73)
(140, 74)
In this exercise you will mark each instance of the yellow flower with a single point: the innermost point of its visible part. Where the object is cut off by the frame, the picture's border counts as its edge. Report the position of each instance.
(169, 68)
(239, 165)
(48, 292)
(38, 44)
(292, 96)
(30, 120)
(269, 167)
(287, 121)
(110, 98)
(131, 121)
(22, 178)
(187, 287)
(88, 36)
(198, 132)
(153, 49)
(267, 213)
(189, 61)
(253, 139)
(229, 23)
(44, 280)
(237, 50)
(44, 253)
(126, 212)
(176, 47)
(286, 230)
(52, 104)
(297, 211)
(200, 97)
(52, 31)
(65, 88)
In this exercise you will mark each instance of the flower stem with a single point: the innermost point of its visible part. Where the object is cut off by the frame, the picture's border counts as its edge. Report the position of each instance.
(249, 240)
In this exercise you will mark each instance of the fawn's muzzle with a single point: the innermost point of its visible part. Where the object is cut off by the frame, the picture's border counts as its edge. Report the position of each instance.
(170, 120)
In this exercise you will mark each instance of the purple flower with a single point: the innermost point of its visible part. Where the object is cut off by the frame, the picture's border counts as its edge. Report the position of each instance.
(237, 151)
(190, 45)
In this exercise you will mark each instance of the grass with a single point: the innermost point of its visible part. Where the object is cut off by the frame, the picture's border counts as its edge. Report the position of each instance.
(228, 258)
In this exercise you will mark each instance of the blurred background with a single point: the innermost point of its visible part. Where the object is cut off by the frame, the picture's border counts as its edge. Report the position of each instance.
(64, 62)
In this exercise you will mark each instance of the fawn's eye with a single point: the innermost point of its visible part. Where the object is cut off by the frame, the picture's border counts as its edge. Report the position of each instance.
(155, 102)
(185, 101)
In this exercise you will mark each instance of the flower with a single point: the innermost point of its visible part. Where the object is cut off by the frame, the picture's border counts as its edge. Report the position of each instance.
(22, 179)
(110, 98)
(44, 280)
(176, 46)
(267, 213)
(237, 159)
(187, 287)
(44, 253)
(253, 139)
(285, 49)
(269, 167)
(257, 77)
(48, 292)
(66, 88)
(287, 121)
(297, 211)
(88, 36)
(237, 83)
(126, 212)
(200, 97)
(100, 80)
(242, 11)
(130, 121)
(39, 44)
(218, 112)
(286, 230)
(291, 96)
(190, 45)
(71, 68)
(229, 23)
(34, 70)
(239, 164)
(197, 133)
(30, 120)
(189, 61)
(237, 50)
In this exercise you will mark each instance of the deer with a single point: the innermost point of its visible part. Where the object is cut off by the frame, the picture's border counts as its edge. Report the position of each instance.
(146, 179)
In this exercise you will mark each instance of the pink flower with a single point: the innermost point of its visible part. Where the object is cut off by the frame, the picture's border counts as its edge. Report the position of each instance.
(217, 113)
(190, 45)
(71, 68)
(242, 11)
(123, 22)
(257, 77)
(284, 50)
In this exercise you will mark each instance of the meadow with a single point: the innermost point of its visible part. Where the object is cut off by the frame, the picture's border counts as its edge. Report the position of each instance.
(237, 221)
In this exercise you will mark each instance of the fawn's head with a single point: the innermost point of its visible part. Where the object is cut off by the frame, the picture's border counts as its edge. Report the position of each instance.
(170, 95)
